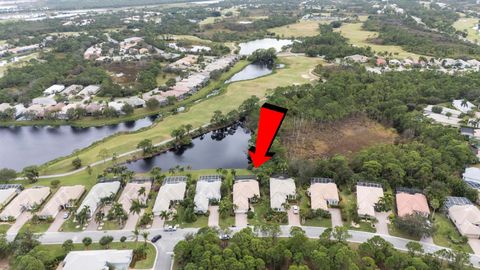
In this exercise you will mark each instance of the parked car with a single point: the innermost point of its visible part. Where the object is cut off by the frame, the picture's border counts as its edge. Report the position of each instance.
(295, 209)
(156, 238)
(66, 215)
(225, 237)
(170, 228)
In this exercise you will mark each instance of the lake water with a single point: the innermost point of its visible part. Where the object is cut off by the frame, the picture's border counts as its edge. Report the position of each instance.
(35, 145)
(251, 71)
(248, 48)
(206, 152)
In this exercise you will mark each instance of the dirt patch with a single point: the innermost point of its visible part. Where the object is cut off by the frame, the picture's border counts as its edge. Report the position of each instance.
(4, 264)
(312, 141)
(125, 73)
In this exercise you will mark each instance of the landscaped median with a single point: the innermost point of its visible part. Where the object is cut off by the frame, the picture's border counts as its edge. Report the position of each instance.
(296, 71)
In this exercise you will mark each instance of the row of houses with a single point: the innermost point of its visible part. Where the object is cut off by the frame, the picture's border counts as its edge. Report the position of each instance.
(445, 65)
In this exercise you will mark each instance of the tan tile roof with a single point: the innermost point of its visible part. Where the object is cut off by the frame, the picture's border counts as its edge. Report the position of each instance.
(26, 199)
(62, 197)
(320, 193)
(243, 190)
(408, 204)
(367, 197)
(130, 193)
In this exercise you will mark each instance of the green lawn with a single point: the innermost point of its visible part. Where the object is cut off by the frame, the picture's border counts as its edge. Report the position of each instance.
(445, 229)
(40, 227)
(70, 226)
(297, 70)
(111, 225)
(359, 37)
(57, 251)
(319, 222)
(226, 222)
(393, 231)
(364, 226)
(4, 228)
(467, 24)
(299, 29)
(259, 209)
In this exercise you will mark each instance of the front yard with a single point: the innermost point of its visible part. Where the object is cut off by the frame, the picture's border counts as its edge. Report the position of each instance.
(446, 234)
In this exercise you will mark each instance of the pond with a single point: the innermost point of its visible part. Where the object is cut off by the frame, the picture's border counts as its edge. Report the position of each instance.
(251, 71)
(35, 145)
(220, 149)
(248, 48)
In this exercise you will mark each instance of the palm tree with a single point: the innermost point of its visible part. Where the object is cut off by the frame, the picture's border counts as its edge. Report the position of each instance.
(145, 236)
(99, 216)
(164, 215)
(136, 207)
(82, 216)
(136, 233)
(142, 191)
(464, 103)
(286, 206)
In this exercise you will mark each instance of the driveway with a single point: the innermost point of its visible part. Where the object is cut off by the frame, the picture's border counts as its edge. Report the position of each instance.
(19, 222)
(93, 226)
(336, 216)
(158, 222)
(475, 245)
(241, 220)
(213, 217)
(293, 219)
(383, 221)
(132, 221)
(57, 222)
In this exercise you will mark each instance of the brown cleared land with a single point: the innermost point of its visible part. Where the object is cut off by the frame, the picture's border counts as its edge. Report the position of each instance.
(345, 137)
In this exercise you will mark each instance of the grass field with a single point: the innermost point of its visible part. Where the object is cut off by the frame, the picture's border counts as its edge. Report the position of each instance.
(40, 227)
(296, 71)
(358, 37)
(54, 251)
(467, 24)
(299, 29)
(444, 229)
(4, 228)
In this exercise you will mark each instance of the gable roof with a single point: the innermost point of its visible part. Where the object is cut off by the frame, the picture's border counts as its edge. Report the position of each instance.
(172, 189)
(320, 193)
(61, 197)
(97, 259)
(26, 199)
(99, 191)
(208, 188)
(130, 193)
(466, 218)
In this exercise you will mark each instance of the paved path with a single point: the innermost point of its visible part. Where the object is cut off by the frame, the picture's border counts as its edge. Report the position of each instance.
(169, 240)
(382, 224)
(293, 219)
(100, 162)
(132, 221)
(213, 216)
(57, 222)
(336, 217)
(158, 222)
(475, 244)
(241, 220)
(19, 222)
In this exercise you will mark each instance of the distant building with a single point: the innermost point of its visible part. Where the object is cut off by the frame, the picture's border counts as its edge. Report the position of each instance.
(97, 260)
(90, 90)
(56, 88)
(463, 106)
(357, 58)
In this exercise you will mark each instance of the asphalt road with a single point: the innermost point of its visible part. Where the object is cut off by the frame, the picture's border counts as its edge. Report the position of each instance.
(166, 245)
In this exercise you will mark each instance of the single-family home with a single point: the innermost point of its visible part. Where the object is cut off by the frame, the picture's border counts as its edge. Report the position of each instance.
(380, 62)
(207, 190)
(72, 90)
(323, 192)
(8, 192)
(97, 193)
(467, 131)
(281, 190)
(463, 105)
(44, 101)
(356, 58)
(464, 215)
(98, 260)
(52, 90)
(90, 90)
(28, 199)
(133, 101)
(172, 191)
(471, 174)
(410, 202)
(368, 195)
(137, 190)
(245, 189)
(64, 198)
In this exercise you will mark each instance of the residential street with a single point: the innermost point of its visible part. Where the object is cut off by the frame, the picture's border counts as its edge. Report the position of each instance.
(170, 239)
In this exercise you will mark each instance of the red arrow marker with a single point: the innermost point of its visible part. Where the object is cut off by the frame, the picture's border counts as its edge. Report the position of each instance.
(271, 117)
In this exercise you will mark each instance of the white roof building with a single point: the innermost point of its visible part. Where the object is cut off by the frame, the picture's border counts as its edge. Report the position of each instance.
(56, 88)
(280, 190)
(172, 190)
(19, 110)
(72, 89)
(7, 193)
(99, 191)
(243, 191)
(90, 90)
(116, 105)
(132, 101)
(44, 101)
(471, 174)
(98, 260)
(466, 218)
(26, 200)
(208, 188)
(63, 198)
(465, 108)
(5, 106)
(368, 194)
